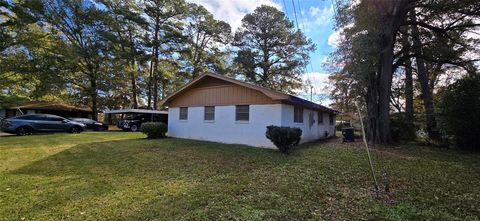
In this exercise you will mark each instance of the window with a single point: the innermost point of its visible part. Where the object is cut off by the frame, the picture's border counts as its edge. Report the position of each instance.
(320, 117)
(89, 121)
(54, 118)
(184, 113)
(331, 119)
(298, 115)
(242, 112)
(209, 113)
(32, 117)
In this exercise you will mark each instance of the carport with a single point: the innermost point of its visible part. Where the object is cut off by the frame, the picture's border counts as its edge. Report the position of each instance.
(161, 115)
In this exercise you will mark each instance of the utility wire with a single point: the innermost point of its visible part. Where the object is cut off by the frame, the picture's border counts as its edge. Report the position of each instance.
(301, 15)
(312, 86)
(303, 26)
(285, 7)
(368, 151)
(295, 13)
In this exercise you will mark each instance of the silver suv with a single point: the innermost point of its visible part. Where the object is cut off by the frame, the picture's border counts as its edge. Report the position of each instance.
(32, 123)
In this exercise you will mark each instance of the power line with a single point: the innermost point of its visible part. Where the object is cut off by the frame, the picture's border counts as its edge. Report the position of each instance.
(303, 26)
(295, 13)
(285, 6)
(311, 85)
(301, 15)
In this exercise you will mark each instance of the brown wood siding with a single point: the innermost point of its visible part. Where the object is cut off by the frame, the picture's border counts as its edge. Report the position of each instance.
(219, 94)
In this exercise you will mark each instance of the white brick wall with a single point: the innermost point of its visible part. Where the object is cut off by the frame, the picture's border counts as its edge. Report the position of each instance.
(225, 129)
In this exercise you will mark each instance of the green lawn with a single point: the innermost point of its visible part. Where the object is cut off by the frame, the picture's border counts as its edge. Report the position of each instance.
(115, 175)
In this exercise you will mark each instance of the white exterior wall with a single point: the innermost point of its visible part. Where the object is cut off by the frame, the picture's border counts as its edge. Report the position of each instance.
(224, 128)
(311, 131)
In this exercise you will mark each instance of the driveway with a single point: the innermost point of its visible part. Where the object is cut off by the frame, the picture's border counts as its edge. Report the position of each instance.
(4, 134)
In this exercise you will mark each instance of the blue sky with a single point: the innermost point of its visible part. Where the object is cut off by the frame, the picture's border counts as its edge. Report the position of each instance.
(317, 19)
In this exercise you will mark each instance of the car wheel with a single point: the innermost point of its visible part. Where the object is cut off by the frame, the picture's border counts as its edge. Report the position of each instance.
(74, 130)
(134, 128)
(22, 131)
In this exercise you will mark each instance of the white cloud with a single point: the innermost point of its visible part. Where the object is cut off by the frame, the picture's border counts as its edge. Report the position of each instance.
(319, 17)
(319, 82)
(334, 38)
(314, 11)
(232, 11)
(320, 90)
(325, 15)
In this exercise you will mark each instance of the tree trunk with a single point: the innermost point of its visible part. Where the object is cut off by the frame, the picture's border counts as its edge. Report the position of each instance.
(409, 90)
(384, 92)
(155, 63)
(93, 96)
(423, 79)
(391, 14)
(132, 69)
(372, 107)
(155, 84)
(408, 78)
(149, 92)
(134, 87)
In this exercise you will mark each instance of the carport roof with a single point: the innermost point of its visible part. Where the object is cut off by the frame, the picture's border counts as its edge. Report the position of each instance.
(135, 111)
(45, 105)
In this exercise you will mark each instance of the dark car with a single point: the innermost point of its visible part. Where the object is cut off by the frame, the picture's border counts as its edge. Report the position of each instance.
(134, 123)
(32, 123)
(91, 124)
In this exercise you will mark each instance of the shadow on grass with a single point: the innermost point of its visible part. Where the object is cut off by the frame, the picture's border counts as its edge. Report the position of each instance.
(141, 173)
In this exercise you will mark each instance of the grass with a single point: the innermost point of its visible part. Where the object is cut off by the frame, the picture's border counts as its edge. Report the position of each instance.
(121, 176)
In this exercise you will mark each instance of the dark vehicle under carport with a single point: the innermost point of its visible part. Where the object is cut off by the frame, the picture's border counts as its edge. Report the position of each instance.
(132, 119)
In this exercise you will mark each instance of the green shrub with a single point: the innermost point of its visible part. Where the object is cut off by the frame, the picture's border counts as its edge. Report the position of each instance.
(401, 128)
(284, 138)
(459, 112)
(154, 129)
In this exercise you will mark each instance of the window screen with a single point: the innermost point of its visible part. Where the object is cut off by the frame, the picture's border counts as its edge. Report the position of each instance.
(320, 117)
(298, 115)
(184, 113)
(209, 113)
(331, 119)
(242, 113)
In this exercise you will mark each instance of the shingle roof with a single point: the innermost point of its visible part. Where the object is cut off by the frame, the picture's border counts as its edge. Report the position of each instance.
(44, 105)
(274, 95)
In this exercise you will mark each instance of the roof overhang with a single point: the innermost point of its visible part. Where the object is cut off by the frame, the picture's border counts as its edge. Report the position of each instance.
(43, 105)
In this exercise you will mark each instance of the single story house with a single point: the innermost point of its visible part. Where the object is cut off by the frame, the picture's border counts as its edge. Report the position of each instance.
(44, 107)
(217, 108)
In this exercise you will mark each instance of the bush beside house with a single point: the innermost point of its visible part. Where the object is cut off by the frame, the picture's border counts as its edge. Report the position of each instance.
(284, 138)
(154, 130)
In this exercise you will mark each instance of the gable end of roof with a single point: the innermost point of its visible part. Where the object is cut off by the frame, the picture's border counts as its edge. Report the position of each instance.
(274, 95)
